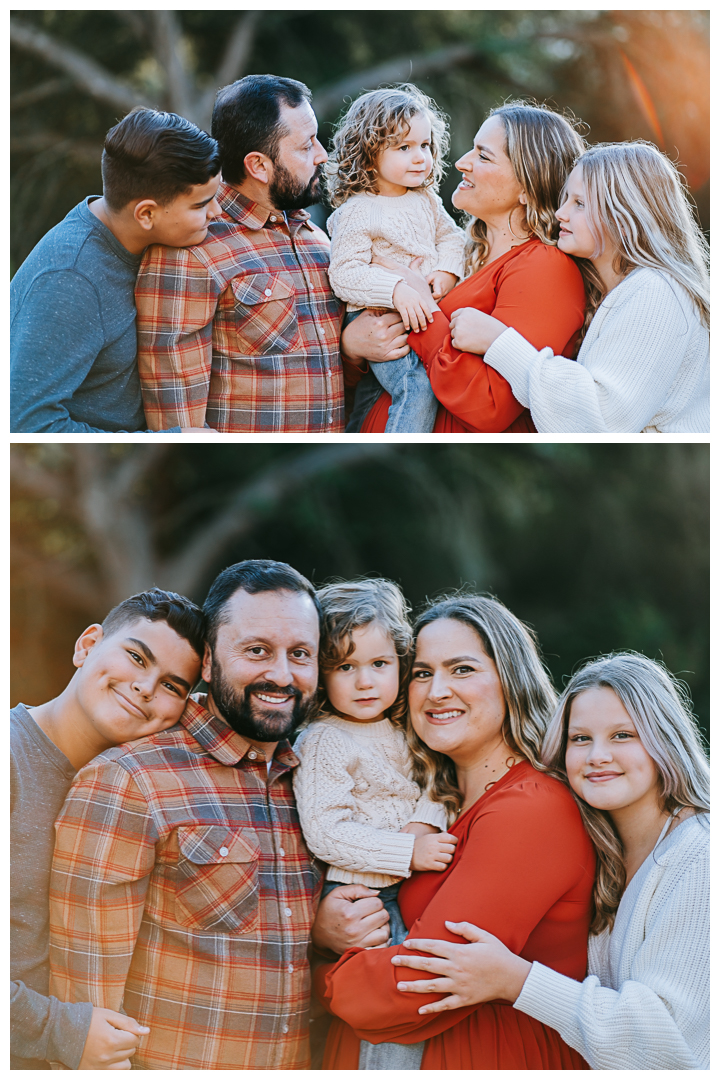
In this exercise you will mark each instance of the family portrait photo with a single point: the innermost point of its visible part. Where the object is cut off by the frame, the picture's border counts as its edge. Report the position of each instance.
(364, 221)
(359, 756)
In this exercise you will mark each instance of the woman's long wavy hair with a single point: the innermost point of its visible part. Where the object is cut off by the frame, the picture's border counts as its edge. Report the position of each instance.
(543, 147)
(373, 122)
(526, 687)
(661, 710)
(639, 199)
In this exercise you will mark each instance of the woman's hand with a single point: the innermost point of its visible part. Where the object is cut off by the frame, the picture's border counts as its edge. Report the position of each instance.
(469, 974)
(474, 331)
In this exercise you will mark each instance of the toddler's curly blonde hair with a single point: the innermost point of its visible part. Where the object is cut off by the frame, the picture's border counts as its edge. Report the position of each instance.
(373, 122)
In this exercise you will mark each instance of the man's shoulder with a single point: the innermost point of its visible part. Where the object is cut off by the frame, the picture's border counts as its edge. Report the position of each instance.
(167, 749)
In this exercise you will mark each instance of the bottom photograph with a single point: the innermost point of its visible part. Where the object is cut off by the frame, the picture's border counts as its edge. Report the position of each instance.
(359, 756)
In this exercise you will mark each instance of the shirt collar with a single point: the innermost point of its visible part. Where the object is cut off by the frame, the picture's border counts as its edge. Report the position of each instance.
(250, 214)
(220, 741)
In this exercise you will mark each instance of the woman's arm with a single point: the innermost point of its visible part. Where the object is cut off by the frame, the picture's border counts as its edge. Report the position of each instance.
(622, 377)
(541, 294)
(523, 853)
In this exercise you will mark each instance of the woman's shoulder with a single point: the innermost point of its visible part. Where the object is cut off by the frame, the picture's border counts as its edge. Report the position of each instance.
(546, 260)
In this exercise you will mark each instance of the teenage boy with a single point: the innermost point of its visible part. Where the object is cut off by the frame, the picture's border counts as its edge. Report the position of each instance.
(134, 674)
(73, 338)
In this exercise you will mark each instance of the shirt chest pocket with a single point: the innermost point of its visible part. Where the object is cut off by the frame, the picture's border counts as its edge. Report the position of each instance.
(265, 314)
(217, 878)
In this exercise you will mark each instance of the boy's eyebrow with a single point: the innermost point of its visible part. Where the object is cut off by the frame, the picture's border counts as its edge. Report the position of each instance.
(197, 205)
(151, 657)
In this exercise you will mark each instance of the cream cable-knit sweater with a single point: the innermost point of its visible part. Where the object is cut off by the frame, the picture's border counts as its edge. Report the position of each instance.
(402, 228)
(645, 1003)
(354, 794)
(644, 365)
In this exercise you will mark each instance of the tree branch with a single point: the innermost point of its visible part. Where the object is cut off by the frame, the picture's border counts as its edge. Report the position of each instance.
(82, 150)
(168, 47)
(255, 501)
(37, 481)
(232, 65)
(49, 88)
(328, 100)
(86, 73)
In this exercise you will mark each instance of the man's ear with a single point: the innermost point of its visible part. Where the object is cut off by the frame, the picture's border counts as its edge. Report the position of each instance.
(206, 670)
(87, 641)
(145, 213)
(258, 166)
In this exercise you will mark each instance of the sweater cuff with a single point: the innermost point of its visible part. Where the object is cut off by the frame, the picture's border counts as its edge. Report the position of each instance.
(69, 1026)
(428, 812)
(427, 343)
(550, 997)
(513, 357)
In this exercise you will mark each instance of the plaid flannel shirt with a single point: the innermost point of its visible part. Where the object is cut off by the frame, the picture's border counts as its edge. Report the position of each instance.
(243, 330)
(182, 891)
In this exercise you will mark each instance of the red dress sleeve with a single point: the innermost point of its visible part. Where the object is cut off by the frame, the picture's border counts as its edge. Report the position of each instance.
(539, 293)
(525, 850)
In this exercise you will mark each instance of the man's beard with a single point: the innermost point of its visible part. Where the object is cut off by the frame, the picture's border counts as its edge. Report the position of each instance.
(286, 193)
(251, 721)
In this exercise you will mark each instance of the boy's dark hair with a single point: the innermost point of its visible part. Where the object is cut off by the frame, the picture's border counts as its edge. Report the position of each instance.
(253, 576)
(181, 615)
(246, 118)
(155, 155)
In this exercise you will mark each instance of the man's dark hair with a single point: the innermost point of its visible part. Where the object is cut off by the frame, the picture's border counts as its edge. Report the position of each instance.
(246, 118)
(156, 605)
(155, 155)
(253, 576)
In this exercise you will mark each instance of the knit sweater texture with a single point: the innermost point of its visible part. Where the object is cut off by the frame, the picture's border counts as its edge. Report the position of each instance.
(644, 365)
(645, 1003)
(402, 228)
(354, 793)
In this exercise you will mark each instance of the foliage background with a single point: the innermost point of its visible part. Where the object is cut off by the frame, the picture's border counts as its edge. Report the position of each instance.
(599, 547)
(627, 74)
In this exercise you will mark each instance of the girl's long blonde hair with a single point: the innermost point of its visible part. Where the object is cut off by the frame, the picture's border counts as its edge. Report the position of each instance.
(660, 708)
(373, 122)
(543, 146)
(526, 687)
(638, 197)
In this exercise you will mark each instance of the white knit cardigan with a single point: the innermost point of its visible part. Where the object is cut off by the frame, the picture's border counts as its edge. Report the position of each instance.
(354, 793)
(401, 228)
(645, 1003)
(644, 365)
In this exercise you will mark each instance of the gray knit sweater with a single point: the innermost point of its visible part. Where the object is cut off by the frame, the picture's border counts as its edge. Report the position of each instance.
(645, 1003)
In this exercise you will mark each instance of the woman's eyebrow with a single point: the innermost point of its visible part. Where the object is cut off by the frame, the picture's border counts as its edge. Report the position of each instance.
(459, 659)
(485, 149)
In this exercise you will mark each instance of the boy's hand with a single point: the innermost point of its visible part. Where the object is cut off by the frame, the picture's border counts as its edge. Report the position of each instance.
(441, 282)
(414, 310)
(111, 1041)
(433, 851)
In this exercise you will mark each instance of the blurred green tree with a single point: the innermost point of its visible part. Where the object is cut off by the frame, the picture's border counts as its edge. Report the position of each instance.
(598, 547)
(75, 73)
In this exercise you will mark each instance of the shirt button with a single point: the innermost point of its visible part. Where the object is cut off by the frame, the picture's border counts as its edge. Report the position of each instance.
(268, 292)
(285, 1029)
(281, 851)
(321, 331)
(290, 968)
(330, 418)
(252, 755)
(273, 218)
(224, 851)
(288, 911)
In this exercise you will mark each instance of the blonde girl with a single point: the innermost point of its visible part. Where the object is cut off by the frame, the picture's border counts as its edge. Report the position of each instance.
(644, 362)
(386, 162)
(623, 737)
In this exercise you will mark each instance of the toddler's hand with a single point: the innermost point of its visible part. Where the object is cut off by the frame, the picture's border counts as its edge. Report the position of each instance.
(413, 309)
(433, 852)
(441, 282)
(419, 828)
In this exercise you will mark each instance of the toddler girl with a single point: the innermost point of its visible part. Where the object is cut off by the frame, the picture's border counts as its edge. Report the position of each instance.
(387, 158)
(360, 810)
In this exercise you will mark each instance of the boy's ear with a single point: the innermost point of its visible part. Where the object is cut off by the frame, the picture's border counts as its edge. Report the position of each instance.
(206, 670)
(145, 213)
(259, 166)
(87, 641)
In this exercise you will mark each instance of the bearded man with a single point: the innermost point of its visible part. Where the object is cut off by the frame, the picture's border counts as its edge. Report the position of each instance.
(242, 331)
(182, 891)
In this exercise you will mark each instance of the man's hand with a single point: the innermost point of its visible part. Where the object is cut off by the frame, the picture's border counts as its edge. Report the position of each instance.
(473, 331)
(111, 1041)
(350, 916)
(485, 970)
(441, 282)
(434, 851)
(415, 311)
(373, 337)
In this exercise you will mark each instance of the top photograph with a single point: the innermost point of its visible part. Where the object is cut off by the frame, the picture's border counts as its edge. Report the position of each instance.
(449, 222)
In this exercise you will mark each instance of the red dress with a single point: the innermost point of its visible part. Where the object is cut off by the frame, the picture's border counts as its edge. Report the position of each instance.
(523, 870)
(534, 288)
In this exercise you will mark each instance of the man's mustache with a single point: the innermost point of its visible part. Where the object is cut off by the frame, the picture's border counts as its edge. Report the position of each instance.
(272, 688)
